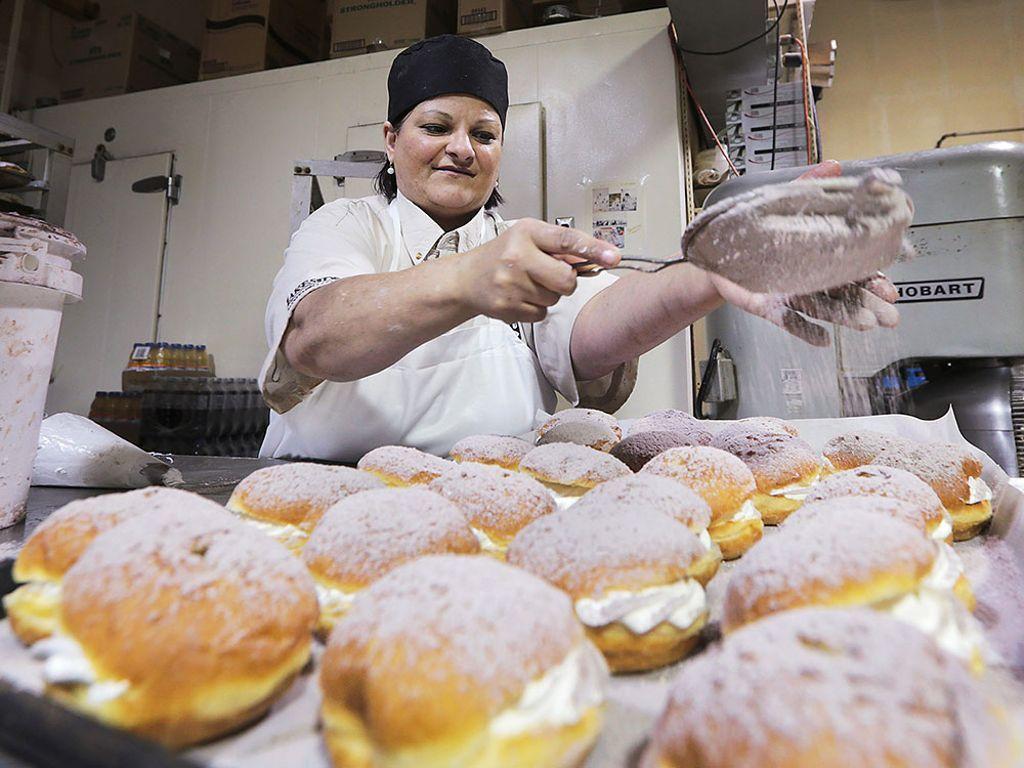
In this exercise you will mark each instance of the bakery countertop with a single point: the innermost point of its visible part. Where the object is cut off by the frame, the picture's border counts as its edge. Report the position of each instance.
(213, 476)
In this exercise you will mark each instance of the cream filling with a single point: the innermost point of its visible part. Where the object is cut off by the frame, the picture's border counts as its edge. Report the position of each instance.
(561, 697)
(65, 663)
(979, 490)
(935, 610)
(939, 614)
(487, 544)
(746, 512)
(796, 492)
(680, 604)
(944, 528)
(289, 535)
(562, 501)
(948, 567)
(705, 539)
(331, 599)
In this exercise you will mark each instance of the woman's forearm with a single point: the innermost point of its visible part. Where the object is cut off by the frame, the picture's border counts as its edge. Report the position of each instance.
(359, 326)
(637, 313)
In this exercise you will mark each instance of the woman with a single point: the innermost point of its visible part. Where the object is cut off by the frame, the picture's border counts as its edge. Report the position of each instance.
(417, 316)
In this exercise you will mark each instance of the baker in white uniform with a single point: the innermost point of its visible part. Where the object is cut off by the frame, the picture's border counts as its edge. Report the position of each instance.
(418, 316)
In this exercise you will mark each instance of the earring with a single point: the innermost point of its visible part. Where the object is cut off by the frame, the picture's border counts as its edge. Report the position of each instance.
(391, 170)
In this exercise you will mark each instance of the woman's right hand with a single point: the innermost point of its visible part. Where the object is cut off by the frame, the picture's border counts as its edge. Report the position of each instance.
(526, 269)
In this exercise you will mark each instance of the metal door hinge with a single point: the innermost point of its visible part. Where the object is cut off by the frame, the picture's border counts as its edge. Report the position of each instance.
(169, 185)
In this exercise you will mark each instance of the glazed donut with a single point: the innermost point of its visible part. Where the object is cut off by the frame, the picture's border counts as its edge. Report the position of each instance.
(954, 473)
(660, 494)
(502, 450)
(784, 467)
(582, 426)
(725, 483)
(630, 573)
(683, 425)
(453, 660)
(860, 555)
(286, 501)
(179, 628)
(57, 543)
(496, 502)
(569, 470)
(822, 688)
(854, 449)
(640, 447)
(363, 537)
(400, 466)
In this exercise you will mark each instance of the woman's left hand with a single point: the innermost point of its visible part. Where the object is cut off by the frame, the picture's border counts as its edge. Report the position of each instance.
(863, 305)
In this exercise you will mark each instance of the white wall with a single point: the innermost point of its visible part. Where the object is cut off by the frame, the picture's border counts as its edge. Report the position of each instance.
(608, 88)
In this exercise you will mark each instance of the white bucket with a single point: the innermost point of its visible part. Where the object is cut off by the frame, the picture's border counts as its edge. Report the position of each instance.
(35, 281)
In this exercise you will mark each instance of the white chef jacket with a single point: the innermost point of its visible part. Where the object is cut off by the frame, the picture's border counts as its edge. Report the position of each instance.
(484, 376)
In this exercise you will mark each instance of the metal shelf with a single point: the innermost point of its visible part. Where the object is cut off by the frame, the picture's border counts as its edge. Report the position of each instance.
(47, 156)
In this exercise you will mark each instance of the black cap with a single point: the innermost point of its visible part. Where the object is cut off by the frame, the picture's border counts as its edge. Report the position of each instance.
(446, 64)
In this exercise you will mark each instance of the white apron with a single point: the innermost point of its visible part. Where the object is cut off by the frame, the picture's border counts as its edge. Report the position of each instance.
(477, 378)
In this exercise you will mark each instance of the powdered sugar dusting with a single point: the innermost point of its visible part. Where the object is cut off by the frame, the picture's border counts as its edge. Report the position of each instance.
(586, 550)
(485, 627)
(886, 482)
(640, 447)
(840, 505)
(571, 464)
(491, 449)
(298, 493)
(944, 466)
(821, 553)
(757, 424)
(148, 581)
(63, 536)
(874, 690)
(685, 426)
(776, 458)
(995, 575)
(582, 432)
(407, 464)
(584, 415)
(494, 499)
(658, 494)
(364, 536)
(853, 449)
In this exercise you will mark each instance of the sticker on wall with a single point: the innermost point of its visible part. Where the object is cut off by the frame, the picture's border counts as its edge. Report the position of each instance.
(793, 389)
(617, 214)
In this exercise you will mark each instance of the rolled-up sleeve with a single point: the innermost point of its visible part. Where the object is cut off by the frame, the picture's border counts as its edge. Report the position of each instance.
(342, 239)
(551, 342)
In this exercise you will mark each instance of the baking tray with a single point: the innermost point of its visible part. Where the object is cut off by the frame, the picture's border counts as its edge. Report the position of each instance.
(45, 734)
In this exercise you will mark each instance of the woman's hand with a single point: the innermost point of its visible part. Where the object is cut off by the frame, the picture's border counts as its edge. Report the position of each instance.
(527, 269)
(863, 305)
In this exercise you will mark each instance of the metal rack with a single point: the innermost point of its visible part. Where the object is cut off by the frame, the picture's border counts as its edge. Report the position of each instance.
(306, 193)
(47, 157)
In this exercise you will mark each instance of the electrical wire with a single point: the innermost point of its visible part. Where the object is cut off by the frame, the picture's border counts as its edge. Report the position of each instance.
(804, 88)
(745, 43)
(775, 83)
(696, 101)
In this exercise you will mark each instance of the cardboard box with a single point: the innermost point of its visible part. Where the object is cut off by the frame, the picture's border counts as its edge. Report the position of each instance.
(123, 54)
(252, 35)
(359, 26)
(488, 17)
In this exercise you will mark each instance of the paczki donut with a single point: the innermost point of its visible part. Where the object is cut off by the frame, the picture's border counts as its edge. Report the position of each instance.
(286, 501)
(454, 660)
(725, 483)
(180, 628)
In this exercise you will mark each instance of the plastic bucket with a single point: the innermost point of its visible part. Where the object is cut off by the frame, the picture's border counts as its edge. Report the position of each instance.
(35, 281)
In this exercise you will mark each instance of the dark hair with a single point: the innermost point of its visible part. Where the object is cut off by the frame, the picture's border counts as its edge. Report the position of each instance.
(386, 184)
